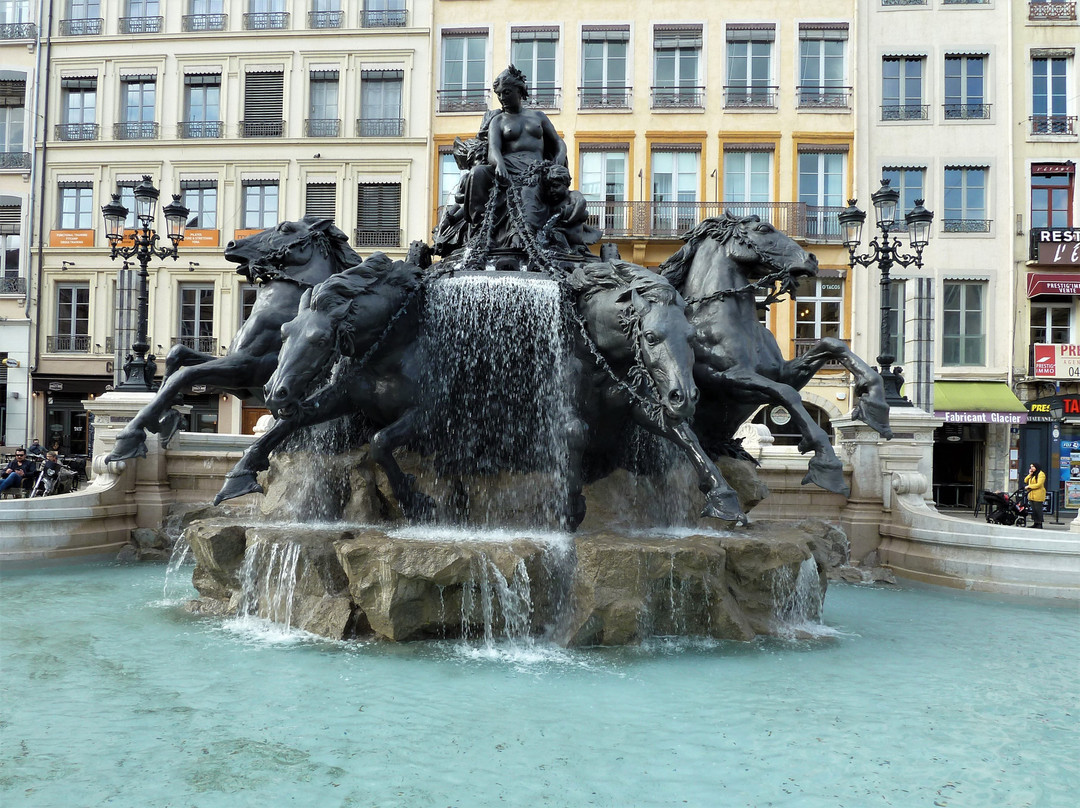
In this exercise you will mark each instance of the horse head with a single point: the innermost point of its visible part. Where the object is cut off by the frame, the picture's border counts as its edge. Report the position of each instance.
(305, 251)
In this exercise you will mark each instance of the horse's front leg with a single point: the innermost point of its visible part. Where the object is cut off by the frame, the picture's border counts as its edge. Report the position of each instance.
(181, 356)
(414, 504)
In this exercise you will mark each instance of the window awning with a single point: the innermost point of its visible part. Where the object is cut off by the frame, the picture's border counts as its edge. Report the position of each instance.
(978, 403)
(1047, 283)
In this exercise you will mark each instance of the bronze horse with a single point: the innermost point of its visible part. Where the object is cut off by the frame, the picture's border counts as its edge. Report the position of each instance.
(285, 261)
(725, 261)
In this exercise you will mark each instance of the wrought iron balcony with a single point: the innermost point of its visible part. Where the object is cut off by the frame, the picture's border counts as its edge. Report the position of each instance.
(612, 96)
(110, 344)
(1051, 11)
(966, 112)
(1053, 124)
(650, 219)
(544, 98)
(201, 344)
(903, 2)
(201, 129)
(803, 346)
(262, 128)
(325, 19)
(377, 237)
(266, 21)
(12, 286)
(678, 97)
(82, 27)
(22, 160)
(966, 225)
(67, 343)
(77, 131)
(463, 100)
(205, 22)
(815, 97)
(905, 112)
(18, 30)
(141, 25)
(380, 127)
(743, 97)
(384, 19)
(322, 127)
(822, 223)
(965, 2)
(136, 130)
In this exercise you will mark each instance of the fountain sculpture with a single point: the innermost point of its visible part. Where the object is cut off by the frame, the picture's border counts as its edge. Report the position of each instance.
(497, 392)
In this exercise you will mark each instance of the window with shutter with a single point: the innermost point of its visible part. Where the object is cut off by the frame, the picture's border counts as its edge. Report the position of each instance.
(263, 105)
(378, 214)
(321, 200)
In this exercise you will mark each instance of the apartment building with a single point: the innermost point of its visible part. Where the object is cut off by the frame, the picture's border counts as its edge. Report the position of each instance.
(676, 111)
(253, 112)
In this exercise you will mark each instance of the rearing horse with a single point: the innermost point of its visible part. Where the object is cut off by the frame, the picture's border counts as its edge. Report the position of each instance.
(739, 364)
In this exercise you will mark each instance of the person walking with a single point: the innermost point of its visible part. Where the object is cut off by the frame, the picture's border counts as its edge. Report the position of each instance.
(1035, 485)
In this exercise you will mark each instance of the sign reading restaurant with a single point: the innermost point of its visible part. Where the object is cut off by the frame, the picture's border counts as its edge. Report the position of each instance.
(1058, 246)
(1057, 361)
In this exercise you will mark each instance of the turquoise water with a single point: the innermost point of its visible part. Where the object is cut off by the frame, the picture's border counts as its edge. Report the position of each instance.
(112, 695)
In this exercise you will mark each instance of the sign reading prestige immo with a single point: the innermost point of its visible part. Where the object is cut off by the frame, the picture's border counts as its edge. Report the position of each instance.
(1057, 361)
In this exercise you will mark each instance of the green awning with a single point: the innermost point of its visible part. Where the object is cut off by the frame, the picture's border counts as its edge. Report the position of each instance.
(977, 402)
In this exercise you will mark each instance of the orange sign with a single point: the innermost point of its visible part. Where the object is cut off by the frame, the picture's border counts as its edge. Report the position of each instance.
(71, 238)
(239, 234)
(201, 238)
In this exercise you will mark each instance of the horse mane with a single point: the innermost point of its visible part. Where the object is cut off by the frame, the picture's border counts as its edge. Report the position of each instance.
(362, 279)
(334, 243)
(720, 228)
(593, 278)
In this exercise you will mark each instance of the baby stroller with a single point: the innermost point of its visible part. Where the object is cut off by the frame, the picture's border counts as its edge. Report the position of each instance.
(59, 480)
(1006, 509)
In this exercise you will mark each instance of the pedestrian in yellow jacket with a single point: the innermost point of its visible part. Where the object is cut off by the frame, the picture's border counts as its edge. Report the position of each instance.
(1035, 485)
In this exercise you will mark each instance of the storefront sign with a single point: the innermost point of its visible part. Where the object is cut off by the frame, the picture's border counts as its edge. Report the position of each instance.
(71, 238)
(1057, 361)
(1043, 283)
(951, 417)
(1059, 246)
(239, 234)
(201, 238)
(56, 386)
(1072, 495)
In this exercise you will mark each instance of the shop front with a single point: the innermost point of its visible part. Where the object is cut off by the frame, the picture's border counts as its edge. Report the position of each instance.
(1051, 438)
(66, 423)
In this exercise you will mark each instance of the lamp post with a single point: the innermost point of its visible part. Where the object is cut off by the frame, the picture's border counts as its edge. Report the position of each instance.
(140, 368)
(885, 252)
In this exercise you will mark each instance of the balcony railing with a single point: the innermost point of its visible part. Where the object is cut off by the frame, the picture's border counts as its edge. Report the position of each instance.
(905, 112)
(12, 286)
(966, 112)
(266, 21)
(965, 2)
(141, 25)
(803, 346)
(811, 97)
(18, 30)
(743, 97)
(67, 343)
(86, 27)
(1053, 124)
(614, 96)
(903, 2)
(262, 128)
(322, 127)
(380, 127)
(15, 160)
(325, 19)
(110, 345)
(201, 344)
(205, 22)
(377, 237)
(545, 98)
(77, 131)
(201, 129)
(678, 97)
(136, 130)
(966, 225)
(384, 19)
(1042, 11)
(463, 100)
(651, 219)
(822, 223)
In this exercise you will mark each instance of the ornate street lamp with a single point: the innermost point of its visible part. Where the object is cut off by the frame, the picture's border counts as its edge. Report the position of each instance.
(140, 368)
(885, 253)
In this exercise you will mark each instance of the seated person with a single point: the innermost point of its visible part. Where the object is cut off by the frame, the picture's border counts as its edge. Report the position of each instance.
(19, 471)
(35, 449)
(55, 475)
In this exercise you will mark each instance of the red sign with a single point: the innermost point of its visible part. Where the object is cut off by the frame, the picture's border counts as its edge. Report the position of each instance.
(1042, 283)
(1057, 361)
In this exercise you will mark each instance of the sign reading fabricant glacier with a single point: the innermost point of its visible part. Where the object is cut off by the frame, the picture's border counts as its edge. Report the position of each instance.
(972, 417)
(1057, 361)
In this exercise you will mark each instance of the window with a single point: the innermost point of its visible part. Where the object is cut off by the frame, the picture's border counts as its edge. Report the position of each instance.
(76, 205)
(263, 105)
(964, 88)
(1051, 323)
(126, 189)
(1052, 194)
(260, 199)
(963, 333)
(1049, 97)
(604, 52)
(602, 180)
(676, 67)
(202, 107)
(380, 103)
(818, 309)
(675, 187)
(449, 177)
(323, 120)
(384, 13)
(533, 51)
(248, 295)
(72, 318)
(138, 98)
(379, 217)
(83, 18)
(821, 189)
(197, 317)
(747, 179)
(320, 200)
(12, 122)
(965, 200)
(910, 182)
(205, 15)
(10, 241)
(143, 17)
(78, 99)
(200, 198)
(325, 14)
(822, 50)
(464, 72)
(902, 89)
(749, 66)
(895, 321)
(13, 12)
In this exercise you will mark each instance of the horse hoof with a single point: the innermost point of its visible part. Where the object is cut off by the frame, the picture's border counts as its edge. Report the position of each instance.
(575, 513)
(875, 414)
(168, 426)
(127, 447)
(830, 477)
(724, 505)
(417, 507)
(238, 486)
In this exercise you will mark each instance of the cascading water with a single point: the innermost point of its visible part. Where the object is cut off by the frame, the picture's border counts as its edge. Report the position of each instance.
(797, 599)
(268, 577)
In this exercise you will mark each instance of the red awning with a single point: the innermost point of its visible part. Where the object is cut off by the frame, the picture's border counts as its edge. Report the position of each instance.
(1045, 283)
